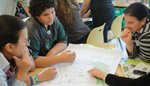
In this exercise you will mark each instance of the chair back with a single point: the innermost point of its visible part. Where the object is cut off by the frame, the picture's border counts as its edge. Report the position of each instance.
(117, 26)
(96, 36)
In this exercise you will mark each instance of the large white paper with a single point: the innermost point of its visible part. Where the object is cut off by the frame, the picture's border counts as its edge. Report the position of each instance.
(87, 57)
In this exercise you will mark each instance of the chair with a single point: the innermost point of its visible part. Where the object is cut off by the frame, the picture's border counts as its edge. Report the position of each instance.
(96, 36)
(115, 31)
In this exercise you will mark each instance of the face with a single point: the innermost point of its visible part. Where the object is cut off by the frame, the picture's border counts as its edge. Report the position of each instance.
(47, 17)
(133, 24)
(21, 46)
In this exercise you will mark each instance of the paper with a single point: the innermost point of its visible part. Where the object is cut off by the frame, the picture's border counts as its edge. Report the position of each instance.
(76, 73)
(141, 66)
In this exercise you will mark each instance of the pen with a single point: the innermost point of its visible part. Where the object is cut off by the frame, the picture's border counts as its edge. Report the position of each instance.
(140, 72)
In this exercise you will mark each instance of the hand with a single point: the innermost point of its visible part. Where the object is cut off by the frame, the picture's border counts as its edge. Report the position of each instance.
(24, 64)
(97, 73)
(27, 10)
(126, 36)
(67, 56)
(47, 74)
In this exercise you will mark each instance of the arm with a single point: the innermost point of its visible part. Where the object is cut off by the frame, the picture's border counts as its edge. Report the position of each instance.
(42, 75)
(87, 14)
(57, 49)
(127, 38)
(24, 65)
(3, 81)
(63, 57)
(3, 77)
(25, 5)
(113, 80)
(85, 7)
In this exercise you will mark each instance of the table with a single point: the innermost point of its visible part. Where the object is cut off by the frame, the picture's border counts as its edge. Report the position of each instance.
(76, 74)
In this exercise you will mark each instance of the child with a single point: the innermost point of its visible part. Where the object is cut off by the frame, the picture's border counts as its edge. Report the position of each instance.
(47, 36)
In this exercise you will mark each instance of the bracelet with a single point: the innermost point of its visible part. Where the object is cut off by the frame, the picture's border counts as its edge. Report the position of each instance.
(34, 79)
(31, 81)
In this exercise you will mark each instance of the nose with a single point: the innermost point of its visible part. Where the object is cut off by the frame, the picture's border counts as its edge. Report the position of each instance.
(50, 17)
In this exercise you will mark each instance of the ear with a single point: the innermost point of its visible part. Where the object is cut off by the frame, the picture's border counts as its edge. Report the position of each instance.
(9, 47)
(143, 21)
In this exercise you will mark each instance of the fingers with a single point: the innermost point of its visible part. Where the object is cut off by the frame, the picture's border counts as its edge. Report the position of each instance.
(16, 59)
(126, 32)
(52, 68)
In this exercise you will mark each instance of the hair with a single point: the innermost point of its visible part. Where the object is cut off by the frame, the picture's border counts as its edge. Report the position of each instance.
(38, 6)
(137, 10)
(65, 11)
(10, 27)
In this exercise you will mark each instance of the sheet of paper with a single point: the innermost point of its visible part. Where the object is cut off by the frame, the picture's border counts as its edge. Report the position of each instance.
(87, 57)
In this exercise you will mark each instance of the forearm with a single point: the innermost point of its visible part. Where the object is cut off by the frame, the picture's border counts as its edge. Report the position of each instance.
(57, 49)
(130, 47)
(85, 7)
(24, 3)
(21, 76)
(114, 80)
(28, 81)
(44, 61)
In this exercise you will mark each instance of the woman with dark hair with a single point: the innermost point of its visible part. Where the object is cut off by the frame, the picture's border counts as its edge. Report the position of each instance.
(67, 12)
(102, 11)
(136, 35)
(47, 36)
(137, 38)
(15, 60)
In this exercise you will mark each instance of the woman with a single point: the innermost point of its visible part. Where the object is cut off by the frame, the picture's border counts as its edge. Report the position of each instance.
(136, 35)
(137, 39)
(68, 13)
(102, 11)
(15, 60)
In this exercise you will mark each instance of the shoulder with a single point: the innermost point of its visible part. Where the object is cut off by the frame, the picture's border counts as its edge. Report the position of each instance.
(33, 26)
(57, 24)
(31, 22)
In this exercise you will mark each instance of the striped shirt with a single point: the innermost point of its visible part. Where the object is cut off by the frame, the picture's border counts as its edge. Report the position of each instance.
(142, 43)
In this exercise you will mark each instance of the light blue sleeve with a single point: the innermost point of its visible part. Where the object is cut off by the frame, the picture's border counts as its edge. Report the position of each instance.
(11, 82)
(2, 78)
(18, 83)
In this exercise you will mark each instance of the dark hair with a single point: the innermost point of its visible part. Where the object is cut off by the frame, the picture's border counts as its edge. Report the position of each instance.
(10, 26)
(38, 6)
(137, 10)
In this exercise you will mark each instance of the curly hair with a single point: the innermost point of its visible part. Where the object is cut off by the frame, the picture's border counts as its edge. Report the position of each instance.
(38, 6)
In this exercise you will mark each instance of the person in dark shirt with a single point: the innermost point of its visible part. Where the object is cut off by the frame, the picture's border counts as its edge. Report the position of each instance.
(68, 13)
(102, 11)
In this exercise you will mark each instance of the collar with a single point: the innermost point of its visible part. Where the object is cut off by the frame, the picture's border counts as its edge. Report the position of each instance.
(145, 28)
(4, 64)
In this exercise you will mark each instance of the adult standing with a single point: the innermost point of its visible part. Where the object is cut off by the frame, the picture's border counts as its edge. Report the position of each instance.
(102, 11)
